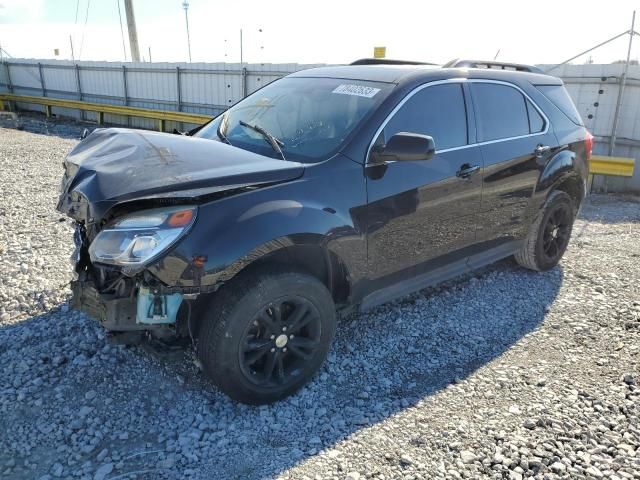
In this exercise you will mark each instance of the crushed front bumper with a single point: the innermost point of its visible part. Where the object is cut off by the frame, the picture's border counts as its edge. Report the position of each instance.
(142, 310)
(115, 314)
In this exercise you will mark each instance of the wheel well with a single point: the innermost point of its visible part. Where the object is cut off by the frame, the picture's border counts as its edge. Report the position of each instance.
(310, 259)
(574, 187)
(316, 261)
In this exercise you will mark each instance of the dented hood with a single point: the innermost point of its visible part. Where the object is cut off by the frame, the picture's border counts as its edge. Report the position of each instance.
(115, 165)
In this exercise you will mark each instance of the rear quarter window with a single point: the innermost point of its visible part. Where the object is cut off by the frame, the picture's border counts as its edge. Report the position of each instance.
(536, 122)
(559, 96)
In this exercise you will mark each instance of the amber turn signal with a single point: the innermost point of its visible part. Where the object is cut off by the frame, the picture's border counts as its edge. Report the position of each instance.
(180, 218)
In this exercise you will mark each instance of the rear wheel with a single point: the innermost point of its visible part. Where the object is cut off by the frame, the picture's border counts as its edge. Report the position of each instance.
(267, 334)
(549, 235)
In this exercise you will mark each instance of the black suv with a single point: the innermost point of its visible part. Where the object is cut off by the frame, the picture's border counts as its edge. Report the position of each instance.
(329, 189)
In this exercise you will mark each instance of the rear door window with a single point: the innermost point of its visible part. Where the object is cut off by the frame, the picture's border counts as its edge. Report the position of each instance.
(438, 111)
(501, 111)
(558, 95)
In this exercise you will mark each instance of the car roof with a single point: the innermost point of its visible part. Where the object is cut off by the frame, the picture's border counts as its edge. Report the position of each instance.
(398, 74)
(374, 73)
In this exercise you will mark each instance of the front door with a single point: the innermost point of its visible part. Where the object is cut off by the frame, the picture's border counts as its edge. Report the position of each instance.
(421, 215)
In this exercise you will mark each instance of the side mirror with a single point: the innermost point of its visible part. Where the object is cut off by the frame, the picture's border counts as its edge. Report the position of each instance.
(405, 147)
(85, 134)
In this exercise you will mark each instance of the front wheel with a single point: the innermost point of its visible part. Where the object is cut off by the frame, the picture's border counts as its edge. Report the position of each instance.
(267, 334)
(549, 235)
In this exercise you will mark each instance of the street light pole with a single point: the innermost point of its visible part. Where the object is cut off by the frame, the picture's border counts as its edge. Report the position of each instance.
(185, 5)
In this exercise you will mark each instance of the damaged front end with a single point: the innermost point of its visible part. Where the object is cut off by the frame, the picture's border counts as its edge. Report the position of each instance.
(133, 196)
(112, 283)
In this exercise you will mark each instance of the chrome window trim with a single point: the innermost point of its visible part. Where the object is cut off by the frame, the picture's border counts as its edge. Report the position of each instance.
(462, 80)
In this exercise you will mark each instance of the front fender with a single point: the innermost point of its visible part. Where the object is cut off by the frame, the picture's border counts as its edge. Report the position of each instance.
(231, 233)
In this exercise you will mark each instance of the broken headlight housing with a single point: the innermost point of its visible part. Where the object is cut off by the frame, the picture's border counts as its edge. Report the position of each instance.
(138, 238)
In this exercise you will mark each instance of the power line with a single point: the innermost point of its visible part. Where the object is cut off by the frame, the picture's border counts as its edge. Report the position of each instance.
(75, 22)
(124, 48)
(84, 27)
(6, 53)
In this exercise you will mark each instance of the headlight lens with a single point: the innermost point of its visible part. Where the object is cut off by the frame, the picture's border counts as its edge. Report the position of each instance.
(136, 239)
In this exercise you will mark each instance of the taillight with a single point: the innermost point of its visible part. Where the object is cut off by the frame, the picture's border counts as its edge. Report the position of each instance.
(588, 145)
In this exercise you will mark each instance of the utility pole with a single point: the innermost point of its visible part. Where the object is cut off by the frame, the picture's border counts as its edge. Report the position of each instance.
(623, 81)
(185, 5)
(133, 33)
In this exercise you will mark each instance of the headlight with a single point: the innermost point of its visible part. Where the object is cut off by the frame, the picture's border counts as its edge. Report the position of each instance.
(70, 170)
(138, 238)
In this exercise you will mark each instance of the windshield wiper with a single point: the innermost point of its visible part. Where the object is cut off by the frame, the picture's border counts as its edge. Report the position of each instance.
(275, 143)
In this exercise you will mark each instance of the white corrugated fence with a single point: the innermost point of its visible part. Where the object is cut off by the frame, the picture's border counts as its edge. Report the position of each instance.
(205, 88)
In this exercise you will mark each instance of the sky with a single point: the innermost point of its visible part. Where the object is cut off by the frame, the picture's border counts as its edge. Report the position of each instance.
(327, 31)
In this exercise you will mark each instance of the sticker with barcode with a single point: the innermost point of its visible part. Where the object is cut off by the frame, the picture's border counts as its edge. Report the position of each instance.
(358, 90)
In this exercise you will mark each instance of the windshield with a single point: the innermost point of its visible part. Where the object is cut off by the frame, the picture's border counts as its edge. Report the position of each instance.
(310, 118)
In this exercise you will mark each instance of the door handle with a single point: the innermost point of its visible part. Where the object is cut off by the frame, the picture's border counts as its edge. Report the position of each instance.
(467, 170)
(541, 150)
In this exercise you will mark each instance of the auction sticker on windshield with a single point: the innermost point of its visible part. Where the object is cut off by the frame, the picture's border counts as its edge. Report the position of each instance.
(359, 90)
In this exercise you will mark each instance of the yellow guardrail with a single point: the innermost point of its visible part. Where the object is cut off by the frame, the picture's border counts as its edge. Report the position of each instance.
(618, 166)
(161, 116)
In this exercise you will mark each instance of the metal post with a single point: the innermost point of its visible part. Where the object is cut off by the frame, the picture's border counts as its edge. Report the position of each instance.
(9, 84)
(179, 97)
(79, 85)
(10, 105)
(125, 91)
(244, 82)
(623, 81)
(131, 28)
(73, 57)
(179, 89)
(240, 45)
(42, 85)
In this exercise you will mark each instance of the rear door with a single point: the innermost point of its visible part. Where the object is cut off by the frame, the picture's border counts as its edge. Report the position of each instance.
(421, 215)
(510, 129)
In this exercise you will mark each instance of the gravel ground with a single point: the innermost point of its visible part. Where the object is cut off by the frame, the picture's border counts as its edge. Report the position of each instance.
(509, 374)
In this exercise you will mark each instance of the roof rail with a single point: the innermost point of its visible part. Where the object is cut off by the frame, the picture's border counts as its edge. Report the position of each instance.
(387, 61)
(460, 63)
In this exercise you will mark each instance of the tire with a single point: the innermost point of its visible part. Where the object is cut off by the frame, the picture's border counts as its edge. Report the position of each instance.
(266, 334)
(549, 235)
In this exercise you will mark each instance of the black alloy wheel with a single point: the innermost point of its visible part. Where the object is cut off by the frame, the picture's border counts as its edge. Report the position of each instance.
(549, 234)
(279, 340)
(557, 231)
(266, 333)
